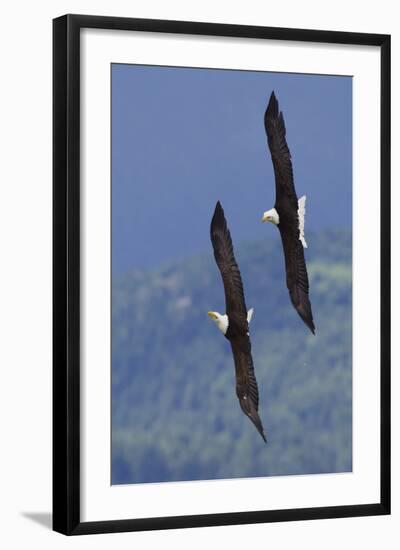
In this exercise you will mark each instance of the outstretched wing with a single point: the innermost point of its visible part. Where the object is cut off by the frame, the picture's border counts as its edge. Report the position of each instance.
(296, 275)
(246, 383)
(287, 206)
(225, 258)
(281, 159)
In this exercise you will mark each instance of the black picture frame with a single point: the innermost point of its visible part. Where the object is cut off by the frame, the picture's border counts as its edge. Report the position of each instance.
(66, 273)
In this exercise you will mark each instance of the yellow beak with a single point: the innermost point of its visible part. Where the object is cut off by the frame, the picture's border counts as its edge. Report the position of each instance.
(264, 218)
(212, 315)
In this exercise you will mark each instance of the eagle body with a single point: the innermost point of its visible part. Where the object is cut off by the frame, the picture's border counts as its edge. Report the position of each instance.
(235, 323)
(288, 214)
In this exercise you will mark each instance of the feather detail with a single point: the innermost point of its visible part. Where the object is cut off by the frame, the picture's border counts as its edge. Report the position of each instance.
(250, 314)
(301, 213)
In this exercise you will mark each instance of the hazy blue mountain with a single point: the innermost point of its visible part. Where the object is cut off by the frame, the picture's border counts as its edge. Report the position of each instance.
(175, 414)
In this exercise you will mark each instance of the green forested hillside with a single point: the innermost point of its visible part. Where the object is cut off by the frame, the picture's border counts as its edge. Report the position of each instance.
(175, 414)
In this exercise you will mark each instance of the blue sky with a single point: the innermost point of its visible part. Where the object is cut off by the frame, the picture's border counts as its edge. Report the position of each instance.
(184, 138)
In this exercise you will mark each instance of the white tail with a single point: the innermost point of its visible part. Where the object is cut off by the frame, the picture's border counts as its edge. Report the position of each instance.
(301, 213)
(250, 314)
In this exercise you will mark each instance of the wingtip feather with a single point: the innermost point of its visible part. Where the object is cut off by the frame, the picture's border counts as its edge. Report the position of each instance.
(264, 438)
(218, 209)
(272, 108)
(218, 218)
(261, 432)
(260, 429)
(310, 324)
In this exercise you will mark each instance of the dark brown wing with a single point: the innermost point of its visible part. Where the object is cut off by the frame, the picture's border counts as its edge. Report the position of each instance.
(287, 206)
(296, 273)
(280, 154)
(237, 333)
(224, 256)
(246, 383)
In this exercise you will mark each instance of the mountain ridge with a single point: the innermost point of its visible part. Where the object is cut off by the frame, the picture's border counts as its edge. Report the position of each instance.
(175, 415)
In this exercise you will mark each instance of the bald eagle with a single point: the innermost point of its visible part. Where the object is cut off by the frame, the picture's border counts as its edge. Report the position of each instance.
(288, 213)
(234, 324)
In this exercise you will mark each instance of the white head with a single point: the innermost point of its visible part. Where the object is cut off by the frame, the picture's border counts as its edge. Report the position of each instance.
(221, 321)
(271, 216)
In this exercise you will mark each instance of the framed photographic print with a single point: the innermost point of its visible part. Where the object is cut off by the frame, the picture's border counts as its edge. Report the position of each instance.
(209, 368)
